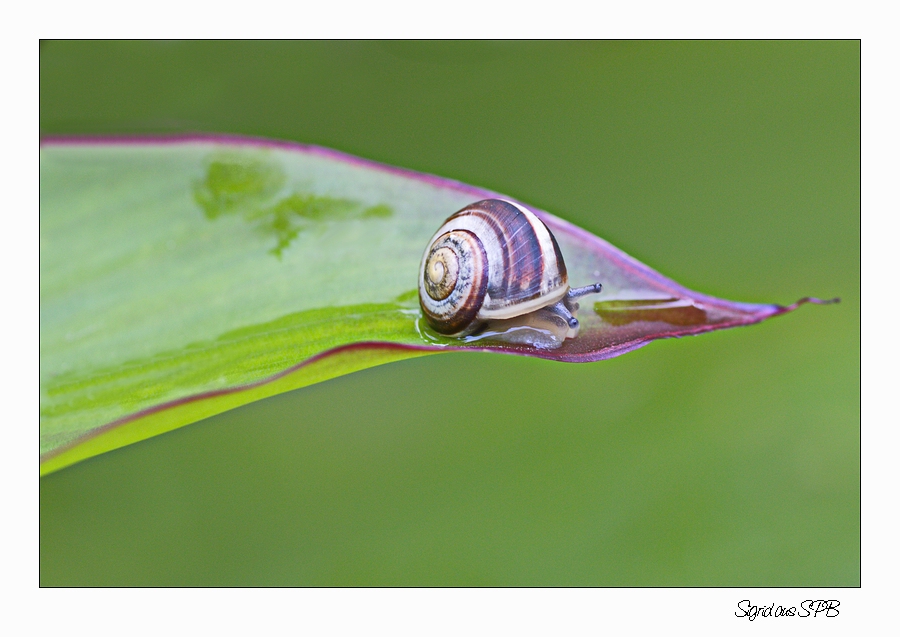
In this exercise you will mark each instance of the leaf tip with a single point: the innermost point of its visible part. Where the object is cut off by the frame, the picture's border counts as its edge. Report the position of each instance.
(809, 299)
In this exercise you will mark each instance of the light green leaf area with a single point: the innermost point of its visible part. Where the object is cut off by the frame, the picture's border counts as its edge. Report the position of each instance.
(181, 271)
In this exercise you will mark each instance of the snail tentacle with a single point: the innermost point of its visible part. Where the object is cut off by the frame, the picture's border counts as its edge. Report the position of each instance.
(562, 309)
(574, 293)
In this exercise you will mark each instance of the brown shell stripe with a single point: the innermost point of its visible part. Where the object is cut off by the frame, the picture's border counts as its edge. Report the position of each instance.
(522, 262)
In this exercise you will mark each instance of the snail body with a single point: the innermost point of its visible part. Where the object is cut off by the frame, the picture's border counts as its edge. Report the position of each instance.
(492, 261)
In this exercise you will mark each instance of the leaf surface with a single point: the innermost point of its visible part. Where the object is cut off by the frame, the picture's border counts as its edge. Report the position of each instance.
(182, 277)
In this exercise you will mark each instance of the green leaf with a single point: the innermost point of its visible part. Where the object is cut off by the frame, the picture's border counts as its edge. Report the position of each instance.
(184, 277)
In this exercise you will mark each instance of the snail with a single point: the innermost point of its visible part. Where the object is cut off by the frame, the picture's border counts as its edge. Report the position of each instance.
(491, 262)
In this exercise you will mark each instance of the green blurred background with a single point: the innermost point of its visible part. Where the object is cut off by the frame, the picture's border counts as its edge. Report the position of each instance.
(726, 459)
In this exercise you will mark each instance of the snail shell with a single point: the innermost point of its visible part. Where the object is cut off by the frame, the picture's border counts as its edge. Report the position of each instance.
(492, 260)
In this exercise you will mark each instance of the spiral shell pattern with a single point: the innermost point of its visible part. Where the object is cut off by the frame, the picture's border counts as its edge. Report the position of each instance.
(491, 260)
(454, 281)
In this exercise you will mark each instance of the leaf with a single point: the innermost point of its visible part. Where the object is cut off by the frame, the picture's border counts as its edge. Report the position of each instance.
(182, 277)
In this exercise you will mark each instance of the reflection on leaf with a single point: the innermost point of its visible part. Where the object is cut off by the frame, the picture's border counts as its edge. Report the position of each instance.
(250, 185)
(672, 311)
